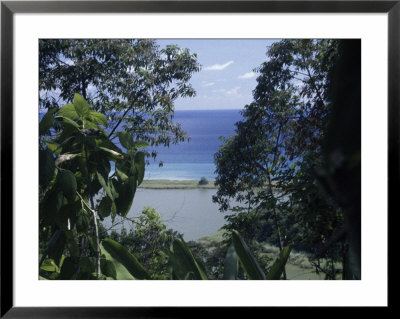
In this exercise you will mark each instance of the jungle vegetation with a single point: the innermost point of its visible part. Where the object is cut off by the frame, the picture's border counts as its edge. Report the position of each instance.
(294, 160)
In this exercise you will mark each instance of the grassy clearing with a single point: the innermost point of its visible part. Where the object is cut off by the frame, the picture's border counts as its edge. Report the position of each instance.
(175, 184)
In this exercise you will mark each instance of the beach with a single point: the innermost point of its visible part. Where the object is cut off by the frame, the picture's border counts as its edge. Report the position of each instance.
(176, 184)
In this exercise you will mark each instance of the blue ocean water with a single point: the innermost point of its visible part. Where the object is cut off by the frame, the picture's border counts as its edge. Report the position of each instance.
(195, 158)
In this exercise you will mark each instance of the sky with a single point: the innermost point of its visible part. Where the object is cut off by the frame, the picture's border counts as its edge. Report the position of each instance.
(227, 76)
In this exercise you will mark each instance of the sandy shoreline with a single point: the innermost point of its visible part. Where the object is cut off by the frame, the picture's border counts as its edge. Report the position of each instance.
(175, 184)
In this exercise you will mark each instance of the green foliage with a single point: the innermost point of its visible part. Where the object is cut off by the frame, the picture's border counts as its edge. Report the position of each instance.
(270, 163)
(276, 270)
(231, 265)
(340, 177)
(183, 264)
(203, 181)
(131, 81)
(246, 258)
(71, 173)
(123, 260)
(148, 241)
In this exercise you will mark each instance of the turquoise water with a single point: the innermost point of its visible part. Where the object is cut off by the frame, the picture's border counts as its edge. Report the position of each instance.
(181, 171)
(194, 159)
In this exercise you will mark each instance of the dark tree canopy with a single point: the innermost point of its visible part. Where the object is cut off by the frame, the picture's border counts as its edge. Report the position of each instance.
(271, 162)
(130, 80)
(285, 122)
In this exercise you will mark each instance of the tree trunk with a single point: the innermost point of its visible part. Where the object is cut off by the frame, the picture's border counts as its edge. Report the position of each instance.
(280, 241)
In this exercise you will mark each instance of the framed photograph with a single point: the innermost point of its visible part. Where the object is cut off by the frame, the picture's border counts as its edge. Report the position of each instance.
(320, 79)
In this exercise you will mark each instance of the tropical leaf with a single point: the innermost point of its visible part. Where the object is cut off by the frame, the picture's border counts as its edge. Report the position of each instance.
(68, 121)
(68, 268)
(125, 139)
(47, 121)
(246, 258)
(97, 118)
(121, 175)
(54, 242)
(231, 264)
(122, 257)
(126, 192)
(105, 184)
(81, 106)
(49, 265)
(140, 166)
(46, 166)
(184, 265)
(105, 207)
(108, 268)
(140, 144)
(67, 183)
(68, 111)
(276, 270)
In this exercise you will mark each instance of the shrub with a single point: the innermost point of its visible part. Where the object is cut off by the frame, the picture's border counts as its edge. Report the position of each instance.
(203, 181)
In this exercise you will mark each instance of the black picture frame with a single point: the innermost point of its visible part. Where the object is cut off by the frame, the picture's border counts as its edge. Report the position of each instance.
(9, 8)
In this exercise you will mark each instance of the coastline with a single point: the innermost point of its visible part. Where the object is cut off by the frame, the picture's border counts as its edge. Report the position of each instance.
(175, 184)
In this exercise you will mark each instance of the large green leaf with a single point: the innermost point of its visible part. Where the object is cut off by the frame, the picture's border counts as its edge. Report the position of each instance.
(71, 244)
(68, 121)
(231, 264)
(122, 257)
(52, 205)
(47, 121)
(276, 270)
(140, 166)
(54, 241)
(246, 258)
(105, 207)
(67, 183)
(184, 265)
(121, 273)
(68, 268)
(126, 192)
(103, 180)
(69, 112)
(46, 166)
(121, 175)
(140, 144)
(125, 139)
(81, 106)
(49, 265)
(86, 265)
(56, 246)
(97, 118)
(108, 268)
(82, 222)
(53, 146)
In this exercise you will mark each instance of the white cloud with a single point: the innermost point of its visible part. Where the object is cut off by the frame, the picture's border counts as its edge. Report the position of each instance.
(218, 67)
(230, 93)
(247, 75)
(205, 84)
(233, 92)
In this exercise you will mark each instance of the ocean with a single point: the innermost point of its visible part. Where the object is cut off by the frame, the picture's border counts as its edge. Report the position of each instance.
(194, 159)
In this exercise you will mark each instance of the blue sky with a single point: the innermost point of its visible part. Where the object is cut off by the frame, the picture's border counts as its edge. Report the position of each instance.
(226, 80)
